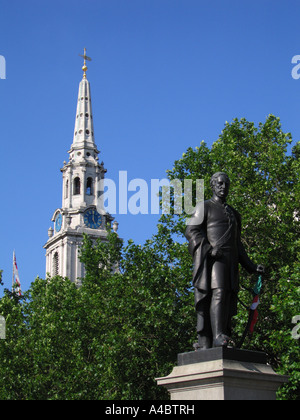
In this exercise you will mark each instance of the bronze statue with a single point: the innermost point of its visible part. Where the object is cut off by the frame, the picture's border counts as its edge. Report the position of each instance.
(214, 235)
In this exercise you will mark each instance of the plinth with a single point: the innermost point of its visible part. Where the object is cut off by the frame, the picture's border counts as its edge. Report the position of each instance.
(222, 374)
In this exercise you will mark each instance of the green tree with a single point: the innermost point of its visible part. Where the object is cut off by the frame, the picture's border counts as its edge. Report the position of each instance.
(109, 338)
(41, 341)
(146, 312)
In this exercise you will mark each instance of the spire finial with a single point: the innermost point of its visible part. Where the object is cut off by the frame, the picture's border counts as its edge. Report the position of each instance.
(85, 57)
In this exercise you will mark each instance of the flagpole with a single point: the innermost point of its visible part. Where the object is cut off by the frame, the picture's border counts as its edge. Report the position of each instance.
(13, 272)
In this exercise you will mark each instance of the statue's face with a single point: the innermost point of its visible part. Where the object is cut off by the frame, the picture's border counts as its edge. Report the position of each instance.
(221, 187)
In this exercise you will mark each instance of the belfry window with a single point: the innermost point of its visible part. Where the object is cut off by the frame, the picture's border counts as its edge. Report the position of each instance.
(89, 186)
(77, 186)
(67, 190)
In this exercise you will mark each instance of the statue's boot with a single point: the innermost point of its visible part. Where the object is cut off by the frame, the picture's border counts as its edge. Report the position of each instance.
(204, 342)
(221, 341)
(203, 326)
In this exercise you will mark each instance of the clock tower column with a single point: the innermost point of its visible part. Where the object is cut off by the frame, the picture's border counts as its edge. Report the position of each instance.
(82, 177)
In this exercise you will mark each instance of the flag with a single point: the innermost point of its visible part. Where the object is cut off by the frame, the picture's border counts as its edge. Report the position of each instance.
(253, 312)
(254, 317)
(16, 278)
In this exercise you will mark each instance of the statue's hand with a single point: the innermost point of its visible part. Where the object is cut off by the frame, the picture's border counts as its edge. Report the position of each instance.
(216, 253)
(260, 269)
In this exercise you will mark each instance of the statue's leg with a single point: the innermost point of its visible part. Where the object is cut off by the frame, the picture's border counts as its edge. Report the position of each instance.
(218, 314)
(203, 322)
(230, 311)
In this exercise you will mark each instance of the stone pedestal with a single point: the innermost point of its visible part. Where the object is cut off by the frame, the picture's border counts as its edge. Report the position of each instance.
(222, 374)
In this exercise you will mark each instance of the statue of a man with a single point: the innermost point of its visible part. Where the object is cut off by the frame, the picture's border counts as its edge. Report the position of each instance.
(214, 235)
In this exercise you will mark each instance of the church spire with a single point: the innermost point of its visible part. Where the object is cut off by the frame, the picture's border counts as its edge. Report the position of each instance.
(83, 139)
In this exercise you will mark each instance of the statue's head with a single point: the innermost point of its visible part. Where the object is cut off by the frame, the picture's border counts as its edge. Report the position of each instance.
(220, 184)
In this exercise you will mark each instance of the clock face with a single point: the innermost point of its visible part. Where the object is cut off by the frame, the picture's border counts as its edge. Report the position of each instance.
(58, 222)
(92, 219)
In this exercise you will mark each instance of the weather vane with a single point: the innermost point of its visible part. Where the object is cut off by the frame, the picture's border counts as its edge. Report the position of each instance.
(86, 58)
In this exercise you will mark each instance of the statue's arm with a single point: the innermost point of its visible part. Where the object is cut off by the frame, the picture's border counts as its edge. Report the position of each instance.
(196, 228)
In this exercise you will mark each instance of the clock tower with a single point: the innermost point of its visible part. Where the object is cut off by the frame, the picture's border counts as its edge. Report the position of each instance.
(82, 179)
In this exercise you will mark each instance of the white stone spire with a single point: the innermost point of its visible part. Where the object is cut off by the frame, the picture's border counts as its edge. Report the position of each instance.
(83, 139)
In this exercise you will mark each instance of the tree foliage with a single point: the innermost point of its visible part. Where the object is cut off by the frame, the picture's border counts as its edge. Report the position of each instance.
(146, 311)
(108, 339)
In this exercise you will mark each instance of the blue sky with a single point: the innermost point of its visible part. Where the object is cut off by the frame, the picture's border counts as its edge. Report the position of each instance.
(165, 75)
